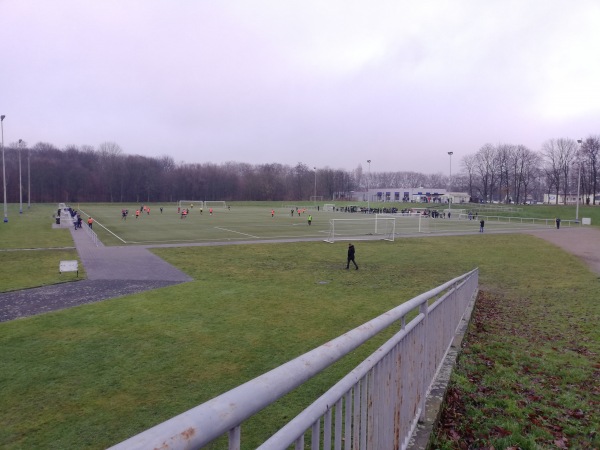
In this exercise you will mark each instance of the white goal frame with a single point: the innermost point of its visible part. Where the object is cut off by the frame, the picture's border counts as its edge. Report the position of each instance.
(409, 222)
(367, 229)
(316, 198)
(329, 207)
(215, 204)
(188, 203)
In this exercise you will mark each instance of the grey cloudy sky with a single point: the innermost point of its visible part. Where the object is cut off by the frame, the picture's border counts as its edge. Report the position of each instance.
(323, 82)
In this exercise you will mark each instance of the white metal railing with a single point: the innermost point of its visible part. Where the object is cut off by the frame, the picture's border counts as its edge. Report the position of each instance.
(522, 220)
(376, 406)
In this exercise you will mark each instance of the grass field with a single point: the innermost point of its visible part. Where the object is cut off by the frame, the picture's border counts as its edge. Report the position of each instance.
(248, 222)
(91, 376)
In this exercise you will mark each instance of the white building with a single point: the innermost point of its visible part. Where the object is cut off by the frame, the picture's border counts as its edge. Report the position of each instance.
(416, 195)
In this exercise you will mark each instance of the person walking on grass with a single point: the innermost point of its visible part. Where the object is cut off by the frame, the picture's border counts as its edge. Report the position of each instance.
(309, 219)
(351, 252)
(481, 224)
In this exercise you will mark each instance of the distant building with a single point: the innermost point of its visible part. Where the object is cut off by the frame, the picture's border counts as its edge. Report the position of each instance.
(571, 199)
(414, 195)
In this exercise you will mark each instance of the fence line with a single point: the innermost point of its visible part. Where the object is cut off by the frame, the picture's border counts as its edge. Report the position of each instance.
(377, 405)
(523, 220)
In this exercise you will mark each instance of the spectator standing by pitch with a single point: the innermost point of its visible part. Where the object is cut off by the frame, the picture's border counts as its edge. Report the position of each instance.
(351, 252)
(481, 224)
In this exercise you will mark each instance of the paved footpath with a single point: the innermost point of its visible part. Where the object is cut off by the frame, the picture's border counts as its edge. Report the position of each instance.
(111, 272)
(582, 241)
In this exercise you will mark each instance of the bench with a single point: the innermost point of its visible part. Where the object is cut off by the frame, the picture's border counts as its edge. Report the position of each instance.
(68, 266)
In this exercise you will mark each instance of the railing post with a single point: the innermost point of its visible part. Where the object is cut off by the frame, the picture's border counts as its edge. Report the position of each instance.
(424, 309)
(235, 438)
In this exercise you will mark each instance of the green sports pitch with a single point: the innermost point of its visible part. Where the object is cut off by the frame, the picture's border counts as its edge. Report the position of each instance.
(265, 222)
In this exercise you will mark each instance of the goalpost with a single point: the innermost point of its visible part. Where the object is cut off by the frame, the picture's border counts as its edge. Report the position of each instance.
(362, 229)
(316, 198)
(190, 203)
(330, 207)
(409, 222)
(215, 204)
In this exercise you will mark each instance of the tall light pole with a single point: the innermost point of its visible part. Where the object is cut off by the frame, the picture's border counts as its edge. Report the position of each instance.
(3, 168)
(450, 181)
(579, 141)
(368, 193)
(28, 179)
(315, 183)
(20, 182)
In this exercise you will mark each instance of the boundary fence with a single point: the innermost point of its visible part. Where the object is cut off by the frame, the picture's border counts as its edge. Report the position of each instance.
(376, 406)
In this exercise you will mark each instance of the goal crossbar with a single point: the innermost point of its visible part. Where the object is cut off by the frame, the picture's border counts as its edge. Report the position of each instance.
(373, 228)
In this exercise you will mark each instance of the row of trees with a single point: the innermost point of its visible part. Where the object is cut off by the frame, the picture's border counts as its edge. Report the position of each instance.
(507, 173)
(515, 173)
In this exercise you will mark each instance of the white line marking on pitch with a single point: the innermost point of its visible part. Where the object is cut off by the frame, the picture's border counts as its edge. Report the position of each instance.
(232, 231)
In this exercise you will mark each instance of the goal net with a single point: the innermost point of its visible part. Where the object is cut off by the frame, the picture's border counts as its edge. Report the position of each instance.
(362, 229)
(409, 222)
(190, 203)
(215, 204)
(330, 207)
(316, 198)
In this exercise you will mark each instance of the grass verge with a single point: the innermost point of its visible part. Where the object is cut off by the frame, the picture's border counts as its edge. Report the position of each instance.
(91, 376)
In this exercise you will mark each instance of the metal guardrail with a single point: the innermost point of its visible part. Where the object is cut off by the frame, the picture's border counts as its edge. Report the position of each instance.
(523, 220)
(375, 406)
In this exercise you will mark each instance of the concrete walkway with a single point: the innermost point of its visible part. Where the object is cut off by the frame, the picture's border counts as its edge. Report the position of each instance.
(111, 272)
(122, 263)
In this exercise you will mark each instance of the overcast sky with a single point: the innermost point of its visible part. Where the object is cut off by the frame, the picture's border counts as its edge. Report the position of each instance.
(322, 82)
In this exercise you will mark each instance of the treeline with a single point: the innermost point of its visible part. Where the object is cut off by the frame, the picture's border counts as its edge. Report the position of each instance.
(505, 173)
(107, 174)
(514, 173)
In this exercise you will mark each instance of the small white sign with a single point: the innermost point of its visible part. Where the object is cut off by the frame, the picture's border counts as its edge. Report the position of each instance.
(68, 266)
(586, 221)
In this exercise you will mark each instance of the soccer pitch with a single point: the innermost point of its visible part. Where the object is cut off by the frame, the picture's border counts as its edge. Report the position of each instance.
(240, 223)
(254, 223)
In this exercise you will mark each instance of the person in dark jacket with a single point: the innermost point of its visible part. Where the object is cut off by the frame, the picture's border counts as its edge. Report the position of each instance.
(351, 252)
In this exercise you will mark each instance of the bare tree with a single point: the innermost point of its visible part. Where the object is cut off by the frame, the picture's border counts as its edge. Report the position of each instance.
(559, 155)
(486, 170)
(590, 154)
(468, 164)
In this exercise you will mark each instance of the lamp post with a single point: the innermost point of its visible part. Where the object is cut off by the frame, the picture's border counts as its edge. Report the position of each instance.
(3, 167)
(20, 182)
(450, 181)
(315, 183)
(368, 193)
(579, 141)
(28, 179)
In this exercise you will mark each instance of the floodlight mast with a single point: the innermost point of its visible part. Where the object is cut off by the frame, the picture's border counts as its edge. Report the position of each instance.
(450, 181)
(368, 193)
(315, 168)
(20, 182)
(3, 167)
(580, 142)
